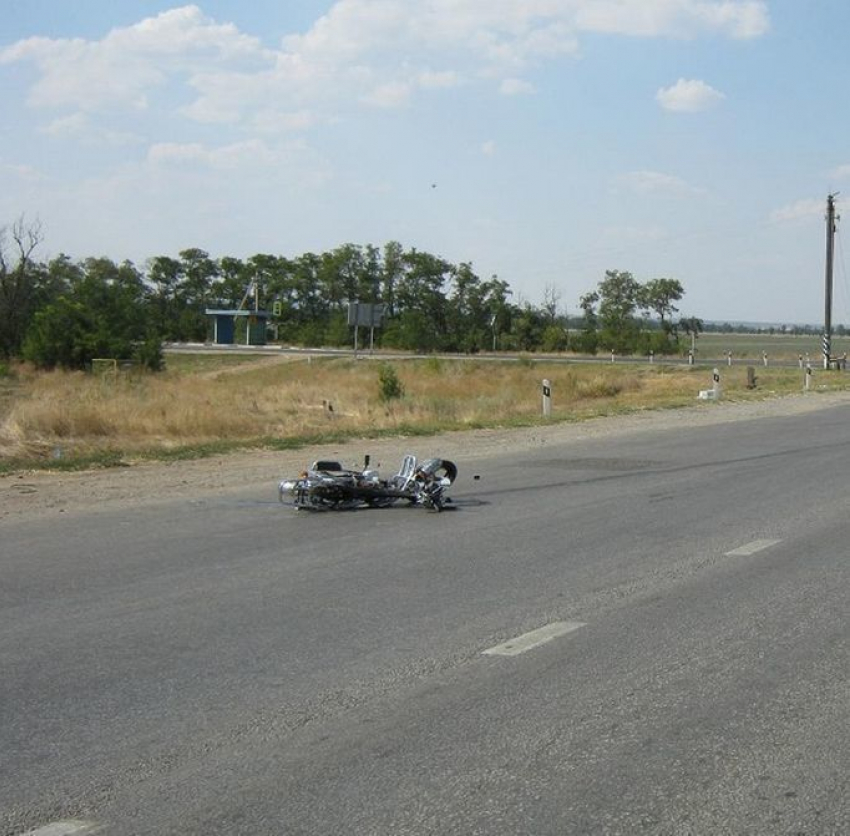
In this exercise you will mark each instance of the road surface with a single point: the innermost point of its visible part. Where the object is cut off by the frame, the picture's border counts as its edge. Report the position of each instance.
(639, 634)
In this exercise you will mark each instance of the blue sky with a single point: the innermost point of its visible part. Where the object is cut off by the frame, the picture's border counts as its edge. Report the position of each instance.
(543, 141)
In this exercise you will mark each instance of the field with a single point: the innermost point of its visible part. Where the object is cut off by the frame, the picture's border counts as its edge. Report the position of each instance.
(207, 404)
(777, 346)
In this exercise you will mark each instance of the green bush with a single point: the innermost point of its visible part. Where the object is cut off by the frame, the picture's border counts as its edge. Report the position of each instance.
(149, 355)
(389, 385)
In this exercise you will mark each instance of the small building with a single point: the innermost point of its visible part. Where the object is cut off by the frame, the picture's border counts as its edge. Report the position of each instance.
(240, 327)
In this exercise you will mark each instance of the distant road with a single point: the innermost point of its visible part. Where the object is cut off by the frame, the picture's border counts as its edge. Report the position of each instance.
(644, 633)
(212, 348)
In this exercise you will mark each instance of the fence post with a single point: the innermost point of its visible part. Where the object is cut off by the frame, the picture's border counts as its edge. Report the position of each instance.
(547, 399)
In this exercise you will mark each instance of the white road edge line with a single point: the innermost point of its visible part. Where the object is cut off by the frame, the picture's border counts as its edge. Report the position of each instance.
(528, 641)
(64, 828)
(752, 548)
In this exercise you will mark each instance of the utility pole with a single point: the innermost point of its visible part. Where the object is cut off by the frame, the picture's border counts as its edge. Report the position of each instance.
(831, 219)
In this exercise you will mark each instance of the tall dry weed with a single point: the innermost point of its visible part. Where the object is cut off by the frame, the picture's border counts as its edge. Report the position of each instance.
(288, 400)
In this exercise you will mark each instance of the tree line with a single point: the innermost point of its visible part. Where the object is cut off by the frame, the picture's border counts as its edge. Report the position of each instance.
(66, 312)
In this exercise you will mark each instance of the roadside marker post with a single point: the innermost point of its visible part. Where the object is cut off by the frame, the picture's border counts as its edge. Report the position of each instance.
(764, 357)
(716, 378)
(808, 383)
(651, 357)
(547, 399)
(728, 358)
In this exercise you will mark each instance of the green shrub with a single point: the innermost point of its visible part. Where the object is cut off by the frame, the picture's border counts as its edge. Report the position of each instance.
(389, 385)
(149, 354)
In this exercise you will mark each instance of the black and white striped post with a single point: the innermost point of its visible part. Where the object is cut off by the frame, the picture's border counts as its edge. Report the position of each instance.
(547, 399)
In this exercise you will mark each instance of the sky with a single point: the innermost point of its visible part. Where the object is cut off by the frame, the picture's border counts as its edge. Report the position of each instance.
(542, 141)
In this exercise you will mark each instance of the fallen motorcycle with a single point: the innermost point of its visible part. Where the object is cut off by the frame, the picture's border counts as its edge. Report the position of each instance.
(327, 486)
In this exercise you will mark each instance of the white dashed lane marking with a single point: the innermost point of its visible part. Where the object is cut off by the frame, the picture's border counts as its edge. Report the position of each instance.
(528, 641)
(752, 548)
(69, 827)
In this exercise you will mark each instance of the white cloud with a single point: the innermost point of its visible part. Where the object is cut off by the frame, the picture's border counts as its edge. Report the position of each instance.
(79, 126)
(488, 148)
(25, 173)
(688, 96)
(655, 182)
(841, 171)
(676, 18)
(515, 87)
(128, 64)
(252, 153)
(376, 52)
(391, 94)
(801, 209)
(430, 80)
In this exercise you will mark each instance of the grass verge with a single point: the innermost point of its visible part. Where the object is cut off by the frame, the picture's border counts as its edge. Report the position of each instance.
(204, 407)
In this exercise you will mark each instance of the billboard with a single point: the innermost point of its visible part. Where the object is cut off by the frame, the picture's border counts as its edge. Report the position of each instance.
(366, 314)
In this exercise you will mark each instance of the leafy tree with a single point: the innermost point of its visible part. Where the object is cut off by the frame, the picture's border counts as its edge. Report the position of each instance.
(658, 296)
(165, 274)
(619, 294)
(20, 280)
(587, 341)
(692, 326)
(103, 314)
(412, 330)
(198, 272)
(57, 336)
(390, 274)
(527, 325)
(467, 315)
(229, 287)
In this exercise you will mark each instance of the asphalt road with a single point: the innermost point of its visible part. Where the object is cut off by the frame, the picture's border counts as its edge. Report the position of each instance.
(231, 666)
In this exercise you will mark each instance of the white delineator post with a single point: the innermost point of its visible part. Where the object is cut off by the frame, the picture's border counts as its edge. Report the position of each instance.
(728, 358)
(808, 383)
(716, 385)
(547, 399)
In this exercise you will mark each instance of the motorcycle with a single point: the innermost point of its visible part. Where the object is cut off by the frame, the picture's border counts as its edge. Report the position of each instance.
(327, 486)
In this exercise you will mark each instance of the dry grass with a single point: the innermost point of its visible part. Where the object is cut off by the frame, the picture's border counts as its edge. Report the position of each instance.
(269, 400)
